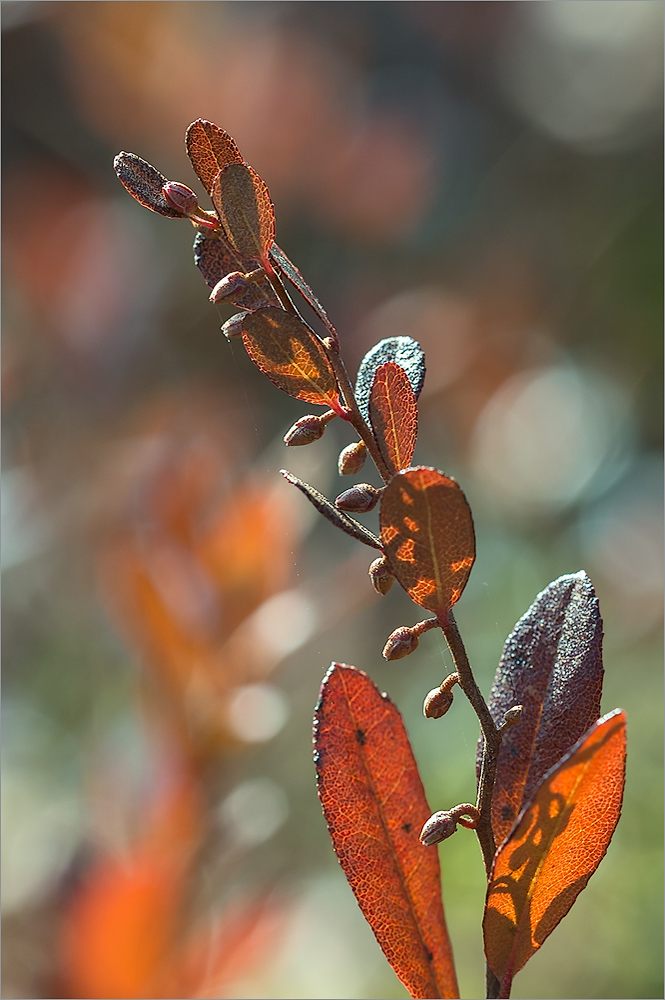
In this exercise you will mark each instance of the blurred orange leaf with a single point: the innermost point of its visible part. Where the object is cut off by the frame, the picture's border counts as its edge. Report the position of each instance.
(555, 847)
(552, 665)
(242, 201)
(374, 803)
(428, 537)
(287, 351)
(393, 414)
(210, 149)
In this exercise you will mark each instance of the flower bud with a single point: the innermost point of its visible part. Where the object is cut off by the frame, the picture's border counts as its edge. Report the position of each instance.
(437, 703)
(228, 287)
(400, 643)
(359, 499)
(233, 326)
(180, 197)
(352, 458)
(381, 575)
(438, 827)
(305, 430)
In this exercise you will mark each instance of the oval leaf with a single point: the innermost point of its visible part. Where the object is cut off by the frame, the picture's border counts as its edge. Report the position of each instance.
(289, 269)
(428, 537)
(552, 665)
(555, 848)
(374, 804)
(404, 351)
(210, 149)
(393, 414)
(144, 182)
(242, 201)
(287, 351)
(215, 259)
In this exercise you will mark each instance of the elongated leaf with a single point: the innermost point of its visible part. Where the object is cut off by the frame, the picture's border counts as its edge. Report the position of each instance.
(551, 665)
(215, 259)
(332, 513)
(210, 149)
(287, 351)
(242, 201)
(405, 352)
(374, 804)
(555, 848)
(289, 269)
(428, 537)
(144, 182)
(393, 414)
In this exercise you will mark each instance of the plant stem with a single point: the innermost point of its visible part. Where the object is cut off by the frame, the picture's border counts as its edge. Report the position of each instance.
(355, 418)
(491, 738)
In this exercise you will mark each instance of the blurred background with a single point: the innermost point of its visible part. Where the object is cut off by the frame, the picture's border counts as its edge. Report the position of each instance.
(484, 177)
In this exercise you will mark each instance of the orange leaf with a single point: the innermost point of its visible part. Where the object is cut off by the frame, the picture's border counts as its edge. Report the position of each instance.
(428, 538)
(287, 351)
(393, 414)
(210, 149)
(374, 804)
(555, 848)
(551, 665)
(242, 201)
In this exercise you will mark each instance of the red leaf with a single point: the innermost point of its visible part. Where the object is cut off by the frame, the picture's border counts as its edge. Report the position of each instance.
(428, 538)
(374, 804)
(393, 414)
(404, 351)
(242, 201)
(215, 259)
(555, 848)
(210, 149)
(287, 351)
(551, 665)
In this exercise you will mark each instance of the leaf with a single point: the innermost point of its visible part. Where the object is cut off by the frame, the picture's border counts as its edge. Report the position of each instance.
(554, 849)
(393, 414)
(333, 514)
(144, 182)
(242, 201)
(374, 805)
(289, 269)
(428, 537)
(215, 259)
(286, 350)
(551, 665)
(210, 149)
(405, 352)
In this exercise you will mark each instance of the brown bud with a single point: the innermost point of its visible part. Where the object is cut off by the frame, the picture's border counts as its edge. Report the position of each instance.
(180, 197)
(228, 287)
(400, 643)
(352, 458)
(359, 499)
(305, 430)
(381, 575)
(437, 703)
(438, 827)
(233, 326)
(511, 717)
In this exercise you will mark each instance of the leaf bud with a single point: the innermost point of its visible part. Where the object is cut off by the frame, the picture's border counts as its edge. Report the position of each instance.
(305, 430)
(437, 703)
(511, 717)
(352, 458)
(229, 287)
(359, 499)
(381, 575)
(400, 643)
(233, 326)
(180, 197)
(438, 827)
